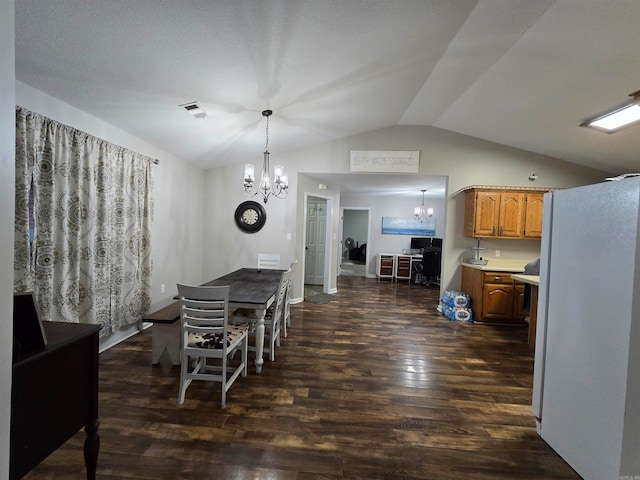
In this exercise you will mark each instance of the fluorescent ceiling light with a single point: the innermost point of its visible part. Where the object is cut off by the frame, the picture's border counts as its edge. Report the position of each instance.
(617, 118)
(622, 117)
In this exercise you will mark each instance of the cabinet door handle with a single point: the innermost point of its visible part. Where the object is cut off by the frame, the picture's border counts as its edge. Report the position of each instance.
(494, 229)
(501, 229)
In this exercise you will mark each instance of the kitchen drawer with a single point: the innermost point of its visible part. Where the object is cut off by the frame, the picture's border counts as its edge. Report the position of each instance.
(497, 277)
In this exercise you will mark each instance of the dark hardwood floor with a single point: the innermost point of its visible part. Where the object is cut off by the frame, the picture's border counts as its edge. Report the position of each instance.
(373, 385)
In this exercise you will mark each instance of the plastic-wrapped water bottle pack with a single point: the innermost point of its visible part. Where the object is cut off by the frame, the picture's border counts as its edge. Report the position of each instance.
(456, 306)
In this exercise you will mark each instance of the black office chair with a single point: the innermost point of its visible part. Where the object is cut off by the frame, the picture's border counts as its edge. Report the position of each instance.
(431, 266)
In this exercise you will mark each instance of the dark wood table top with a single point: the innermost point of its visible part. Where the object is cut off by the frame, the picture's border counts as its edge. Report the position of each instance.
(250, 285)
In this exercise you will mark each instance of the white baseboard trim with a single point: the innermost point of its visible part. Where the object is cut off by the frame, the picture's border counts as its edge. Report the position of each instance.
(121, 335)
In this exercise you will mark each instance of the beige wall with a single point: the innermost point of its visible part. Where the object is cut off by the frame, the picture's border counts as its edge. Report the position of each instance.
(7, 195)
(464, 160)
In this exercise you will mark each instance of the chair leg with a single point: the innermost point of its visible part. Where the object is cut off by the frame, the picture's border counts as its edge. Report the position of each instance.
(272, 348)
(245, 356)
(224, 381)
(184, 383)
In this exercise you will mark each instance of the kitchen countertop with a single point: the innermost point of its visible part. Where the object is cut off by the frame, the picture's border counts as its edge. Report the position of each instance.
(512, 265)
(530, 279)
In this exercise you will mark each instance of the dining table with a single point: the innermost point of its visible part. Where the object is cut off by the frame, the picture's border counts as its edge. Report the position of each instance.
(255, 289)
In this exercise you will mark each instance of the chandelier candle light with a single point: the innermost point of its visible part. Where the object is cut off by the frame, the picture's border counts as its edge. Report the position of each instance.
(280, 184)
(420, 213)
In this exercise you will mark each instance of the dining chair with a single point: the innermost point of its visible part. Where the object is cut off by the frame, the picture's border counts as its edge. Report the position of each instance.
(207, 336)
(286, 321)
(269, 260)
(272, 318)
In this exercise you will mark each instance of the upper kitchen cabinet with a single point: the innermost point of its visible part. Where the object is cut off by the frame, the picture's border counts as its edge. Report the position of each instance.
(533, 215)
(503, 213)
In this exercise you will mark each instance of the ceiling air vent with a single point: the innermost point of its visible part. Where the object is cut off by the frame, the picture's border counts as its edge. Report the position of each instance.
(194, 109)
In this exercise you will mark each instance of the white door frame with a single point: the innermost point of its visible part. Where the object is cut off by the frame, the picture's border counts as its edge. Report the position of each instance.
(328, 243)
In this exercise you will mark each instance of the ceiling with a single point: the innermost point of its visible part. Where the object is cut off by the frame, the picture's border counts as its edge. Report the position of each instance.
(521, 73)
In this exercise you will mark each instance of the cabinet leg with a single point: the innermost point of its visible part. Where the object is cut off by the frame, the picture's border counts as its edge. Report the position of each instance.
(91, 449)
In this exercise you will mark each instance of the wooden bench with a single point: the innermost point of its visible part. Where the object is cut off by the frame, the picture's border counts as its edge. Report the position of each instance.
(166, 332)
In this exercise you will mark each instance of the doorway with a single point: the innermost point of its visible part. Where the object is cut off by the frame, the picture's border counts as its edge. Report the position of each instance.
(354, 238)
(315, 241)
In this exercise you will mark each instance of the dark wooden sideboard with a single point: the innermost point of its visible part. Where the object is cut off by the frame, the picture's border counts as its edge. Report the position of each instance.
(54, 394)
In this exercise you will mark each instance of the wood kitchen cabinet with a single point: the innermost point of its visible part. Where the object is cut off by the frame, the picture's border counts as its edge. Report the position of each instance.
(495, 296)
(518, 301)
(534, 203)
(497, 302)
(503, 213)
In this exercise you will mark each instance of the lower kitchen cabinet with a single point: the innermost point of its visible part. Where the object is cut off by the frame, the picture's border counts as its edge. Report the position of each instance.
(495, 296)
(518, 301)
(497, 302)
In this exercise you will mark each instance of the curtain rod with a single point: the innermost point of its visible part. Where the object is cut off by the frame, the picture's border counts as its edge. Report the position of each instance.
(29, 112)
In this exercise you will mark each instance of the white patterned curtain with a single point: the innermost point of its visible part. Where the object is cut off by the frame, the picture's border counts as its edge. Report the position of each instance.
(83, 225)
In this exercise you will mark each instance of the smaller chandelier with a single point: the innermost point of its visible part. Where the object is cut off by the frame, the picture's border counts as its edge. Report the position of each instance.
(266, 188)
(420, 213)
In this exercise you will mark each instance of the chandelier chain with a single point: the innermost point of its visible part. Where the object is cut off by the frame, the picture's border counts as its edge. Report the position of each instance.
(266, 145)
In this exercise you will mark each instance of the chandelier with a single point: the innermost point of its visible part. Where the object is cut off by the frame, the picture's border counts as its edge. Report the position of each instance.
(420, 213)
(266, 188)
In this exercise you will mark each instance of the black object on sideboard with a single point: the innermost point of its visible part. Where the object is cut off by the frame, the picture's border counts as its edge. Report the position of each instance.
(54, 394)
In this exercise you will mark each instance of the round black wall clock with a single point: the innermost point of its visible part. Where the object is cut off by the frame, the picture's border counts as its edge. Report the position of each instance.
(250, 216)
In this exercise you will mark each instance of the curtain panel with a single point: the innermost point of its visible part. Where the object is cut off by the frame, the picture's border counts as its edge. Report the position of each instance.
(83, 225)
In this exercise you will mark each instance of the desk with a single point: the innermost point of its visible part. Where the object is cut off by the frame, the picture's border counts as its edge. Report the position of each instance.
(256, 289)
(54, 394)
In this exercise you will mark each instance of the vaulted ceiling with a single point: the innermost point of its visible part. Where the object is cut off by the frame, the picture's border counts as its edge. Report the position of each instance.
(522, 73)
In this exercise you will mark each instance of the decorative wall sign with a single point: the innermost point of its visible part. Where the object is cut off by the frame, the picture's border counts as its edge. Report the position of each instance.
(408, 226)
(394, 161)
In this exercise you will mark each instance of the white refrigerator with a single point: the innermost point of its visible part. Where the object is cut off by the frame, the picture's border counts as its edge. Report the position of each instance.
(586, 387)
